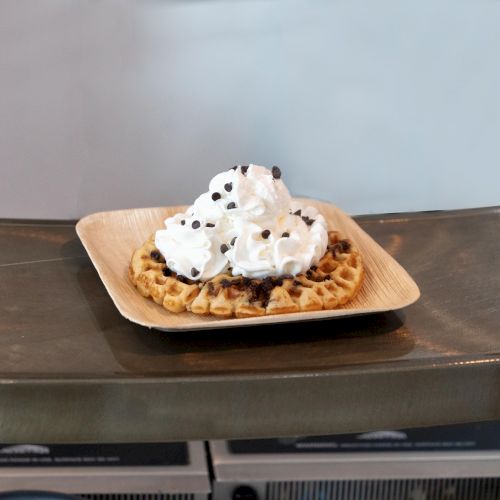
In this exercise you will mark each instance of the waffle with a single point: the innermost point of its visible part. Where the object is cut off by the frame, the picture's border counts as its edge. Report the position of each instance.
(332, 283)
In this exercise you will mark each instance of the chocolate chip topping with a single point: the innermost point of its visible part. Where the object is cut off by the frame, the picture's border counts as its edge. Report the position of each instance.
(216, 196)
(260, 290)
(234, 168)
(266, 233)
(231, 205)
(276, 172)
(244, 169)
(155, 255)
(285, 235)
(266, 286)
(268, 283)
(183, 222)
(307, 220)
(166, 271)
(194, 272)
(233, 241)
(228, 187)
(342, 246)
(196, 224)
(182, 278)
(209, 224)
(254, 291)
(224, 248)
(314, 268)
(298, 212)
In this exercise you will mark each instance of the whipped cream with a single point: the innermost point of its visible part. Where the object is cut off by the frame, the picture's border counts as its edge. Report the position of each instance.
(246, 224)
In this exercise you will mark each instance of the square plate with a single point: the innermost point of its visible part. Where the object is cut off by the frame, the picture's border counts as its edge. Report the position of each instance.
(110, 238)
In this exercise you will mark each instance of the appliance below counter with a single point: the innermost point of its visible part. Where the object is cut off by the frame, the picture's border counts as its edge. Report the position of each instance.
(175, 470)
(458, 462)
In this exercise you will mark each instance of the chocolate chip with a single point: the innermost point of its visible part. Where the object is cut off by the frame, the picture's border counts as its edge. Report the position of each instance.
(196, 224)
(276, 172)
(278, 282)
(342, 246)
(265, 234)
(224, 248)
(228, 187)
(244, 169)
(194, 272)
(216, 196)
(314, 268)
(307, 220)
(254, 291)
(183, 222)
(234, 168)
(181, 278)
(296, 283)
(345, 246)
(231, 205)
(267, 284)
(309, 274)
(209, 224)
(155, 255)
(285, 235)
(233, 241)
(298, 212)
(166, 271)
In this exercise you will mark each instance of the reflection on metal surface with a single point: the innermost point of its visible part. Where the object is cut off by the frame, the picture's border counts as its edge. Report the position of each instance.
(395, 244)
(35, 234)
(393, 221)
(28, 262)
(475, 362)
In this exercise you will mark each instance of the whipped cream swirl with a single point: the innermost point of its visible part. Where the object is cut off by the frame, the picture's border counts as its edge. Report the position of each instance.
(246, 224)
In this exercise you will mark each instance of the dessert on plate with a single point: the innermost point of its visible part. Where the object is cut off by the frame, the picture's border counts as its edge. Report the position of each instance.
(246, 248)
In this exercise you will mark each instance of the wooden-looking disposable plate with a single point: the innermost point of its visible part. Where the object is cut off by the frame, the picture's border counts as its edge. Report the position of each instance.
(110, 238)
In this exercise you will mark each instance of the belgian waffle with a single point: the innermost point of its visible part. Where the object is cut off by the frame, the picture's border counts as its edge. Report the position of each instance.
(332, 283)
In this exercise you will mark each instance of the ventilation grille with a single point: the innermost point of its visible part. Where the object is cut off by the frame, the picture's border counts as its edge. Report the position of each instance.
(138, 496)
(405, 489)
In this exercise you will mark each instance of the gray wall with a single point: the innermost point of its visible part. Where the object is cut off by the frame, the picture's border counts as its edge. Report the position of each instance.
(377, 106)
